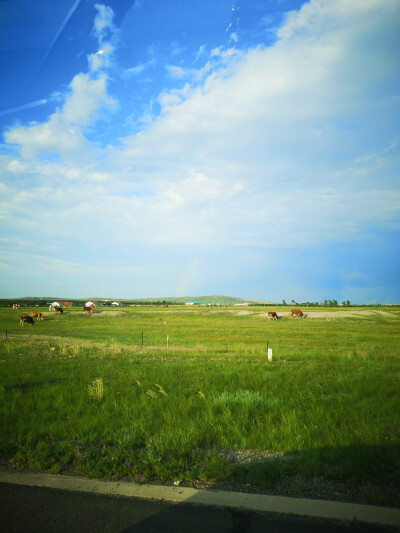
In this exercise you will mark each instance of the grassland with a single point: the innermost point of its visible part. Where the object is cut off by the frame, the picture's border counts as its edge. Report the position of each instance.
(81, 392)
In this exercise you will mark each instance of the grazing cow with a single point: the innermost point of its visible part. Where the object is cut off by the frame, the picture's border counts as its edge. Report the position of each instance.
(297, 312)
(89, 309)
(15, 306)
(273, 315)
(58, 310)
(26, 319)
(36, 314)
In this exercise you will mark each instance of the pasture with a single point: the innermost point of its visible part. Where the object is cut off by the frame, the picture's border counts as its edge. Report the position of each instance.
(81, 393)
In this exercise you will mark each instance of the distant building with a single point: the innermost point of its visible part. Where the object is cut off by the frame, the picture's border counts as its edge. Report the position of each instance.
(246, 303)
(192, 303)
(116, 303)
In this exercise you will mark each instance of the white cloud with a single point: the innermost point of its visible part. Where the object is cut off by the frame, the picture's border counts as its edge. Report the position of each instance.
(321, 16)
(103, 22)
(200, 52)
(87, 96)
(176, 72)
(55, 137)
(234, 37)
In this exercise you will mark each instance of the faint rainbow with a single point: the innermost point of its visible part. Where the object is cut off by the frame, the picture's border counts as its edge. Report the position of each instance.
(187, 278)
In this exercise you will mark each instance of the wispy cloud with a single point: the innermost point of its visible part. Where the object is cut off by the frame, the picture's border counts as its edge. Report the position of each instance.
(36, 103)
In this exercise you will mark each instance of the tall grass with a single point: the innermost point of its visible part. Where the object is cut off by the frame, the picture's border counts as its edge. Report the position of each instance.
(96, 390)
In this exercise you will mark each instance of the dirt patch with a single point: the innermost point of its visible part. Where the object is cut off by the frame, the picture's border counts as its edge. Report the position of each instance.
(108, 313)
(244, 313)
(345, 314)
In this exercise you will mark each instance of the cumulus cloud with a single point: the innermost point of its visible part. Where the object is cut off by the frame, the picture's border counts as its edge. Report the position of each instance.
(87, 96)
(56, 137)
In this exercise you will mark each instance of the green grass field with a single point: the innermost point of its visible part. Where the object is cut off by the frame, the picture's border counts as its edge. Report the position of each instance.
(81, 392)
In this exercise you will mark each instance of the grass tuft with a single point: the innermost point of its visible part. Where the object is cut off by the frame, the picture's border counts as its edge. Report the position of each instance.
(96, 390)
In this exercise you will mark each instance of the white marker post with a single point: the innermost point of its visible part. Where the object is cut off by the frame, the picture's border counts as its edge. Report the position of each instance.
(269, 352)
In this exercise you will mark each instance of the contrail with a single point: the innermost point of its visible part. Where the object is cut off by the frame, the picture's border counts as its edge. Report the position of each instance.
(21, 107)
(53, 42)
(60, 30)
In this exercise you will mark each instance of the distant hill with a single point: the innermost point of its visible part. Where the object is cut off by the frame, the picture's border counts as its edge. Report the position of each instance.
(212, 299)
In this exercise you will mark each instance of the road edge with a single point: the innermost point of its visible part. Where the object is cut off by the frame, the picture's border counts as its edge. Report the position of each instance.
(385, 516)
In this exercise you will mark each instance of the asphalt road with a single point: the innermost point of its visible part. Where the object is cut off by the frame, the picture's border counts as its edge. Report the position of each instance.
(32, 509)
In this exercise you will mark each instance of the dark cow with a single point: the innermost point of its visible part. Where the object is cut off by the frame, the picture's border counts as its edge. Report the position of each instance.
(58, 310)
(273, 315)
(36, 314)
(26, 320)
(297, 312)
(88, 309)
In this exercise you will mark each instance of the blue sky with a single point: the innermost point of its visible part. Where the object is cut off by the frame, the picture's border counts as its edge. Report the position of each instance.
(152, 149)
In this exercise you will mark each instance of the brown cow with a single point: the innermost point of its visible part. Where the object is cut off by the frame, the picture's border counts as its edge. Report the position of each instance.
(297, 312)
(58, 310)
(26, 319)
(89, 309)
(273, 315)
(36, 314)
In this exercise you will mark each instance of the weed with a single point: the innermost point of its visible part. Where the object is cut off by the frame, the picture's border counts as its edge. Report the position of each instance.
(96, 390)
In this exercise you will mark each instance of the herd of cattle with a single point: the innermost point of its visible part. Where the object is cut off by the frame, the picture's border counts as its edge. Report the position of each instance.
(28, 319)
